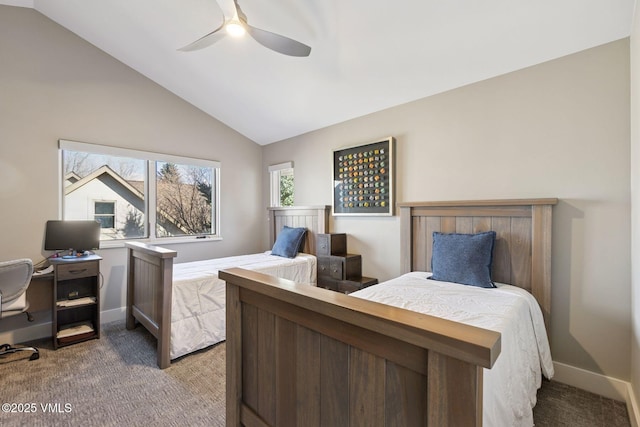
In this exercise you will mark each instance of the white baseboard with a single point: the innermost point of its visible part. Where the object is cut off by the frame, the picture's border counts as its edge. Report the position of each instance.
(632, 407)
(43, 330)
(29, 333)
(609, 387)
(113, 315)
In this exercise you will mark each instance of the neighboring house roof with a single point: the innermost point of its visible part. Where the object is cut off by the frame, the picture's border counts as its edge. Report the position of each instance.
(96, 174)
(72, 178)
(130, 187)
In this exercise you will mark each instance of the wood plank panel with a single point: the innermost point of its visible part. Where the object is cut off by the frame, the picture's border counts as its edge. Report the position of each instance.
(448, 224)
(541, 259)
(147, 296)
(403, 353)
(406, 397)
(249, 355)
(521, 252)
(233, 354)
(481, 224)
(421, 258)
(464, 224)
(285, 376)
(501, 265)
(334, 382)
(308, 374)
(455, 389)
(366, 389)
(266, 361)
(407, 254)
(310, 223)
(434, 224)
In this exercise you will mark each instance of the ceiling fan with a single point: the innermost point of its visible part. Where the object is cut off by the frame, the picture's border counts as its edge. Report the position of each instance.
(237, 26)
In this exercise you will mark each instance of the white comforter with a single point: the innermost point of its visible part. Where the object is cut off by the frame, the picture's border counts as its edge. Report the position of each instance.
(198, 299)
(510, 386)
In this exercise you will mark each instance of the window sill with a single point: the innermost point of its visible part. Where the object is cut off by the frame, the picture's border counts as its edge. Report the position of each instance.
(161, 242)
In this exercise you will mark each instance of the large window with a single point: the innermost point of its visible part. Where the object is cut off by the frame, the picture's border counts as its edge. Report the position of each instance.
(282, 188)
(135, 194)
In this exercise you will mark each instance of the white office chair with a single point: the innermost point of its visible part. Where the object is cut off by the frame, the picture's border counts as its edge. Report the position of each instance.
(15, 277)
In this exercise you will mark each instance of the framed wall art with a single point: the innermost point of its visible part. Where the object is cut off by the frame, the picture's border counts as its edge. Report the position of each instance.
(363, 179)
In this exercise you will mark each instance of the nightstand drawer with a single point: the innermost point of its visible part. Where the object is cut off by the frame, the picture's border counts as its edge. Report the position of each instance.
(330, 267)
(75, 270)
(331, 244)
(324, 267)
(340, 267)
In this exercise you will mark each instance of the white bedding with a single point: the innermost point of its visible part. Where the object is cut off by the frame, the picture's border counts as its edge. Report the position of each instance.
(510, 386)
(198, 299)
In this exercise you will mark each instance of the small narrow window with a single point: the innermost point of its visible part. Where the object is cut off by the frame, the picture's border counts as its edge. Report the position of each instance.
(282, 184)
(105, 214)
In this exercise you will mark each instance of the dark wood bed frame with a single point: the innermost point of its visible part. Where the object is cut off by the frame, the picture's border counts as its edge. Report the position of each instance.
(309, 356)
(150, 273)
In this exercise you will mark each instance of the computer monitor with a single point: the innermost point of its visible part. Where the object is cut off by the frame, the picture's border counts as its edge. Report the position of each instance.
(78, 236)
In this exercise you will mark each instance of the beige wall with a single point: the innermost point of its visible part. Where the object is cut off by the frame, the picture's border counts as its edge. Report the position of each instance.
(53, 85)
(635, 207)
(559, 129)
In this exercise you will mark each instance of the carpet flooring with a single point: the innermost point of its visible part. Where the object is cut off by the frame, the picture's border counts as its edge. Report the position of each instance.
(114, 381)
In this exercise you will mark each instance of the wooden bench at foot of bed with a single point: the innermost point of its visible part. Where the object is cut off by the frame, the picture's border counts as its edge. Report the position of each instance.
(307, 356)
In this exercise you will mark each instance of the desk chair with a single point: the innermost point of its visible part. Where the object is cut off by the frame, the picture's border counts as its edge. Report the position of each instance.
(15, 277)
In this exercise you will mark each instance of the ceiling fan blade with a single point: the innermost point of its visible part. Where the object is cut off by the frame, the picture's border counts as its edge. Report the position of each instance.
(205, 41)
(278, 43)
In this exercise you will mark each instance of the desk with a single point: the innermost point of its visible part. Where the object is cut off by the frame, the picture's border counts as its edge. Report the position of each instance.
(40, 292)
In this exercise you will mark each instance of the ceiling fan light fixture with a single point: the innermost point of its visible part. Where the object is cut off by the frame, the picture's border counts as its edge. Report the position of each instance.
(235, 28)
(238, 26)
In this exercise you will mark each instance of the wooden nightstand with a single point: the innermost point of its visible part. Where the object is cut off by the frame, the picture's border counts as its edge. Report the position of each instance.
(76, 300)
(338, 270)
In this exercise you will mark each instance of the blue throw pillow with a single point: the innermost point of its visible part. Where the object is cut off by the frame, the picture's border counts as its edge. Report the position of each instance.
(289, 242)
(463, 258)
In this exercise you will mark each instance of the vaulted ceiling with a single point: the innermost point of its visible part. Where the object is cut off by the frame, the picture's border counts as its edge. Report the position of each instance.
(366, 55)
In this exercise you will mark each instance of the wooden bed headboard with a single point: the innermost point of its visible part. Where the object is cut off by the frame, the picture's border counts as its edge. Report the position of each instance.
(522, 252)
(314, 218)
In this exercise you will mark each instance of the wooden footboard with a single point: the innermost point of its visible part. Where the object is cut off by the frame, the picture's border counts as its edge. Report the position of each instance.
(150, 273)
(149, 284)
(298, 355)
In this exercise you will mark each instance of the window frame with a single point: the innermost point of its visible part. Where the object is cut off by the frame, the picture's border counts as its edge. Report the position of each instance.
(113, 215)
(275, 175)
(150, 190)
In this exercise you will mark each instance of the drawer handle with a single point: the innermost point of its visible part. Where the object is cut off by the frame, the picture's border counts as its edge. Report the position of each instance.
(77, 271)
